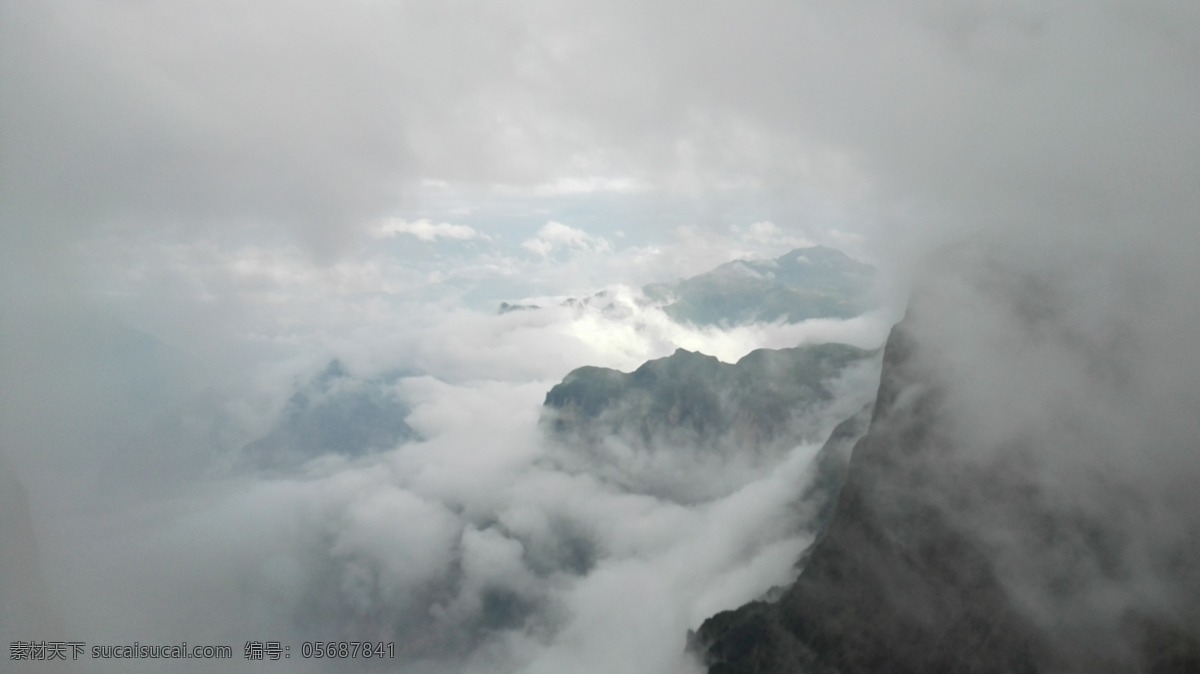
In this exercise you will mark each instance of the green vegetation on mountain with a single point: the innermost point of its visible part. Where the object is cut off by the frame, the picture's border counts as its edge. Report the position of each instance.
(695, 400)
(649, 429)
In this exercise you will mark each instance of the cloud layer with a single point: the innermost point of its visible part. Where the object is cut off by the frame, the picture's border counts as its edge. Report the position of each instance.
(191, 223)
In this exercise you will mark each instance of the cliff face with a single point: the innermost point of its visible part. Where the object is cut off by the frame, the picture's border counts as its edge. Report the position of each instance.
(938, 560)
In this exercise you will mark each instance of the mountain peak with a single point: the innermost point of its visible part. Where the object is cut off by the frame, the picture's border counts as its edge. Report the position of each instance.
(813, 282)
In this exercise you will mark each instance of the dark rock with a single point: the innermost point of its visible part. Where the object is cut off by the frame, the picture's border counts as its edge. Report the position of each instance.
(816, 282)
(506, 308)
(906, 579)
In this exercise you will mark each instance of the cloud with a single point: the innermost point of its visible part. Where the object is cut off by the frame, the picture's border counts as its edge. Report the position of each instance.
(1044, 372)
(555, 236)
(426, 230)
(461, 546)
(766, 231)
(589, 184)
(191, 191)
(974, 120)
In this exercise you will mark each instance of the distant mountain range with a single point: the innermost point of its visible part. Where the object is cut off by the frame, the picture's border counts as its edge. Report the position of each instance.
(733, 419)
(668, 427)
(816, 282)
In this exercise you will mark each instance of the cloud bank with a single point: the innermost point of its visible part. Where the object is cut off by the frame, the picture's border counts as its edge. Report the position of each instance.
(190, 192)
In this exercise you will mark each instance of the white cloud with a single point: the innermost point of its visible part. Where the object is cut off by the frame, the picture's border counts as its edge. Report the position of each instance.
(555, 236)
(767, 234)
(426, 230)
(376, 543)
(589, 185)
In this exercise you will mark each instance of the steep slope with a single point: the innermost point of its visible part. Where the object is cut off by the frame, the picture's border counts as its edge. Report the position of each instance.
(830, 467)
(943, 558)
(891, 586)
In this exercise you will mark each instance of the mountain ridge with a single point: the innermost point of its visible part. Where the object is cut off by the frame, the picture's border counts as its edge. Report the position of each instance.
(672, 415)
(804, 283)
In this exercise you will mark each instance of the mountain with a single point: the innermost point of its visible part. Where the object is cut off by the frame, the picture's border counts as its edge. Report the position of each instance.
(816, 282)
(335, 413)
(671, 425)
(941, 560)
(830, 466)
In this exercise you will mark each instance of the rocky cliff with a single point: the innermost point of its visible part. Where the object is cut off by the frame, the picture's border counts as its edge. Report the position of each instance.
(939, 558)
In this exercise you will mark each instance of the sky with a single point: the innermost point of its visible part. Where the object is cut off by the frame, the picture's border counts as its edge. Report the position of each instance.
(203, 203)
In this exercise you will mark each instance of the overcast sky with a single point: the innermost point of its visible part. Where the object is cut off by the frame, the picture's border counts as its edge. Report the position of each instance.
(206, 131)
(202, 203)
